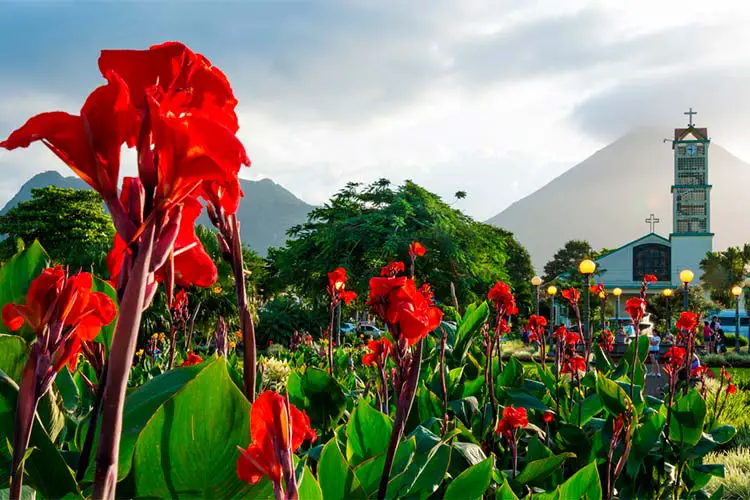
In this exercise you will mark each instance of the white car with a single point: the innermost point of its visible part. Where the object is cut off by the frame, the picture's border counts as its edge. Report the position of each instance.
(369, 329)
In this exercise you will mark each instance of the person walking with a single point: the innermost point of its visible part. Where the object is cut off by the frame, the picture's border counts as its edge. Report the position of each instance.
(653, 352)
(707, 337)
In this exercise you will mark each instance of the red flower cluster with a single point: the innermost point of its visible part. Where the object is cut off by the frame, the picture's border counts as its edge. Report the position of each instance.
(379, 350)
(650, 278)
(513, 418)
(392, 269)
(337, 287)
(407, 312)
(674, 360)
(567, 337)
(416, 249)
(177, 109)
(277, 429)
(192, 359)
(636, 308)
(572, 295)
(503, 299)
(687, 321)
(536, 325)
(597, 289)
(62, 310)
(606, 340)
(573, 365)
(180, 300)
(548, 417)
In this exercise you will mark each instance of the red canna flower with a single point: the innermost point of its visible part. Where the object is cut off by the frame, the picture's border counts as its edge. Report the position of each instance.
(536, 322)
(574, 364)
(416, 249)
(64, 311)
(392, 269)
(560, 332)
(337, 279)
(379, 352)
(426, 291)
(548, 417)
(277, 429)
(180, 300)
(607, 340)
(636, 308)
(192, 359)
(650, 278)
(731, 388)
(513, 418)
(725, 374)
(675, 359)
(597, 289)
(403, 308)
(503, 298)
(702, 371)
(571, 338)
(687, 321)
(503, 327)
(572, 295)
(348, 296)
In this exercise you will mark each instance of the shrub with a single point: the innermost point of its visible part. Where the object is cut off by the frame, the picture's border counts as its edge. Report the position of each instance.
(730, 338)
(736, 478)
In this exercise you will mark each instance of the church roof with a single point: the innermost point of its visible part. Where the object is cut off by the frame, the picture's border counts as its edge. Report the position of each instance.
(681, 133)
(626, 245)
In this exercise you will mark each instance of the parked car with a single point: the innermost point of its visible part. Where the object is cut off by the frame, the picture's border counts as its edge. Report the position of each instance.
(348, 328)
(369, 329)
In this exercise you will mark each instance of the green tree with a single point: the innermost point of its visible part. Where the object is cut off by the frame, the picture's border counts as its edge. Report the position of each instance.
(520, 271)
(566, 260)
(71, 225)
(723, 270)
(362, 228)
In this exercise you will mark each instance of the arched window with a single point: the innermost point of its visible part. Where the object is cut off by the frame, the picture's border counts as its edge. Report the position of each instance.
(651, 258)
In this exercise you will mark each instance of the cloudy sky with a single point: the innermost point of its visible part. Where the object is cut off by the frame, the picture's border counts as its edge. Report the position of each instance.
(495, 98)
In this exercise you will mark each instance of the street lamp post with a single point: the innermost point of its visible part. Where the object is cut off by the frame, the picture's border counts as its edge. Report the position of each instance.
(617, 292)
(737, 291)
(686, 276)
(536, 281)
(551, 291)
(587, 268)
(668, 316)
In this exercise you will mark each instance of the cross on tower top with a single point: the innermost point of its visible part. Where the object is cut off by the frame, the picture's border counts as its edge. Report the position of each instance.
(652, 221)
(690, 115)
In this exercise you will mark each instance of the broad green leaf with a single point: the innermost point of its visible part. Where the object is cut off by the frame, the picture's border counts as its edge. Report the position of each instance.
(188, 447)
(426, 439)
(537, 450)
(505, 492)
(512, 374)
(723, 433)
(469, 328)
(367, 433)
(523, 398)
(370, 471)
(645, 438)
(612, 396)
(473, 453)
(423, 476)
(642, 350)
(583, 485)
(473, 482)
(16, 277)
(428, 404)
(590, 407)
(46, 470)
(336, 478)
(688, 414)
(13, 354)
(316, 392)
(105, 336)
(539, 469)
(308, 488)
(603, 361)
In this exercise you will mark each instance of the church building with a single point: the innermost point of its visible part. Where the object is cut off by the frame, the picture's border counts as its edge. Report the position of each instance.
(691, 235)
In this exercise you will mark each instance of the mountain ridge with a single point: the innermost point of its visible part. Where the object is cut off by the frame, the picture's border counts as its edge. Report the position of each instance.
(266, 212)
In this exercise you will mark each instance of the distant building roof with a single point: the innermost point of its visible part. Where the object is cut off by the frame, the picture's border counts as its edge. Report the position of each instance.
(680, 133)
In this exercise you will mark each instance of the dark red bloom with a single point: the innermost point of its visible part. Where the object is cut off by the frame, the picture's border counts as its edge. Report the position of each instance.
(180, 300)
(416, 249)
(607, 340)
(392, 269)
(548, 417)
(54, 300)
(403, 308)
(731, 388)
(687, 321)
(636, 308)
(503, 298)
(650, 278)
(572, 295)
(379, 350)
(702, 371)
(536, 322)
(513, 418)
(192, 359)
(573, 364)
(275, 425)
(675, 359)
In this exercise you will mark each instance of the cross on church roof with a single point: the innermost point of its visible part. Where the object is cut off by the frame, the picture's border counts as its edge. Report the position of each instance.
(653, 221)
(690, 115)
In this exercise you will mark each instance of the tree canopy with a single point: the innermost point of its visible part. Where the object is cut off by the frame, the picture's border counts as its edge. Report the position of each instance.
(363, 227)
(723, 270)
(71, 225)
(566, 259)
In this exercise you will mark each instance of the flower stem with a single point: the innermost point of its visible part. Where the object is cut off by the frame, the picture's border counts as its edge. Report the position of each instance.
(88, 444)
(405, 401)
(443, 341)
(28, 399)
(330, 339)
(121, 358)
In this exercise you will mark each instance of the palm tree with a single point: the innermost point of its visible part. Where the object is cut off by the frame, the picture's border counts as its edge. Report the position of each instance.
(723, 270)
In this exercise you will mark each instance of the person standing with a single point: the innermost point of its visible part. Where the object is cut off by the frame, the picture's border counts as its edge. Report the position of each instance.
(653, 352)
(707, 337)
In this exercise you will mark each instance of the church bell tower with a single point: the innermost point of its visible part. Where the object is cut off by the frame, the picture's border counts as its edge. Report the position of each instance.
(691, 235)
